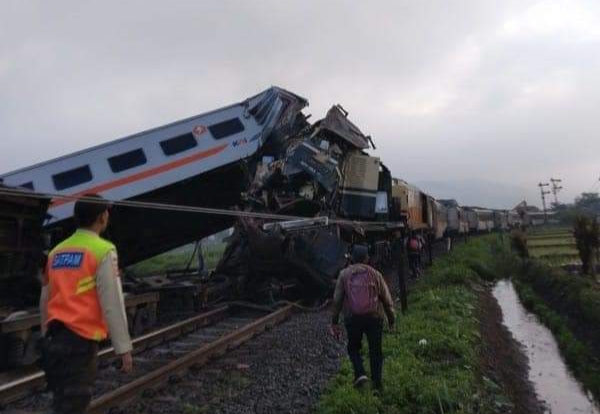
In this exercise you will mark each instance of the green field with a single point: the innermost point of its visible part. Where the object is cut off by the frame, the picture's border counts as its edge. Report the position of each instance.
(178, 259)
(551, 241)
(556, 246)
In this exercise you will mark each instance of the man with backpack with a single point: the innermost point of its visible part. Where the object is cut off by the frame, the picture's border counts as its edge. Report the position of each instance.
(414, 246)
(365, 299)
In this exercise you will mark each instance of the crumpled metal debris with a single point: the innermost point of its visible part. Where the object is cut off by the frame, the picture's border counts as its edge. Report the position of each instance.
(311, 170)
(336, 121)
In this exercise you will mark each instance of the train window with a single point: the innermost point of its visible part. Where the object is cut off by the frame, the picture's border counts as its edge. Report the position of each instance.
(127, 160)
(72, 177)
(226, 128)
(178, 144)
(27, 185)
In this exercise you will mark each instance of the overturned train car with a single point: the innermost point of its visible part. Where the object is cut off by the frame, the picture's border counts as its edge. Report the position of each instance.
(321, 170)
(272, 159)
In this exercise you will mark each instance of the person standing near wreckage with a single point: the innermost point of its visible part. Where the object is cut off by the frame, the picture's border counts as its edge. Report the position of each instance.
(81, 302)
(363, 295)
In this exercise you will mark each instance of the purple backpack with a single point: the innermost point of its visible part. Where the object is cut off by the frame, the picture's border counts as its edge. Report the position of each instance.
(361, 292)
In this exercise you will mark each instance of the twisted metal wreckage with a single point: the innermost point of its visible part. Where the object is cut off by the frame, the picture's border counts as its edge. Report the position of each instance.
(260, 155)
(298, 195)
(318, 170)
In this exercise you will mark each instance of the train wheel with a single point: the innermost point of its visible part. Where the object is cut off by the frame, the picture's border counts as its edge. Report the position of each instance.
(144, 320)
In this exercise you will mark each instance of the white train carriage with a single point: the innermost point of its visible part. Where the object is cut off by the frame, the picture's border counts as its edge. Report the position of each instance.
(514, 219)
(500, 220)
(440, 220)
(457, 218)
(485, 219)
(195, 161)
(472, 220)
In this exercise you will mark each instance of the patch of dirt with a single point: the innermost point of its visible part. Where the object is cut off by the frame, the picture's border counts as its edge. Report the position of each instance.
(503, 359)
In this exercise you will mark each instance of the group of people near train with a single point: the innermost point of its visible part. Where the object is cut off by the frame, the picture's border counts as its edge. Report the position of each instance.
(81, 304)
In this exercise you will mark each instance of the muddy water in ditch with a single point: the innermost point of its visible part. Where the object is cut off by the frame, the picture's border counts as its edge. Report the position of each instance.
(552, 381)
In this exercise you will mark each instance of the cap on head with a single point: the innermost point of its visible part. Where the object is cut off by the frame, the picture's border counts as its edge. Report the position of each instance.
(87, 210)
(360, 253)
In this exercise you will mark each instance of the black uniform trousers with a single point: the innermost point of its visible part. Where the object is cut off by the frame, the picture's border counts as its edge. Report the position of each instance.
(372, 327)
(70, 364)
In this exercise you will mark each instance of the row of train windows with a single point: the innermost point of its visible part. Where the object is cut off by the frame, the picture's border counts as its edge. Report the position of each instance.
(137, 157)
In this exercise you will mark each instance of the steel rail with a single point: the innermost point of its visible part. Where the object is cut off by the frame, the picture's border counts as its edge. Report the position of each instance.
(21, 387)
(128, 392)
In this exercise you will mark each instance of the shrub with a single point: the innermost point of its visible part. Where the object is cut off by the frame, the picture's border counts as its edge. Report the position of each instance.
(587, 239)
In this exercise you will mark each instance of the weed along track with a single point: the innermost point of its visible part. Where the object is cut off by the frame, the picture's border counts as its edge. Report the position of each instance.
(162, 356)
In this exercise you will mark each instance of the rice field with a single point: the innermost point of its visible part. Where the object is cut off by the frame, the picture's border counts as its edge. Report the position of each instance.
(553, 245)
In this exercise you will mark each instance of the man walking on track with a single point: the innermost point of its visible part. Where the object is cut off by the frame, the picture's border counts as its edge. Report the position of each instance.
(81, 302)
(414, 247)
(365, 299)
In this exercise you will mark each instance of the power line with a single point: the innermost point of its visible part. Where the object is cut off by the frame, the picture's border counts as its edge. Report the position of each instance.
(556, 188)
(544, 193)
(16, 192)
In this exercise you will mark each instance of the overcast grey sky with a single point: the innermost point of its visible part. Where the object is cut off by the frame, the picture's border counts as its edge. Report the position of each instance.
(499, 91)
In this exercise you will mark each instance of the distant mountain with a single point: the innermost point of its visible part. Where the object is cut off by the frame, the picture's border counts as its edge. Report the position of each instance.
(475, 192)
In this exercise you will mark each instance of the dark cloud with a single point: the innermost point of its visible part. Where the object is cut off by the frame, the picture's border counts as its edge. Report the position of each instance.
(501, 91)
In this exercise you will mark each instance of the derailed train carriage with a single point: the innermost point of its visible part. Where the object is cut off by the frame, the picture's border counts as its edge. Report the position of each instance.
(260, 155)
(21, 260)
(272, 160)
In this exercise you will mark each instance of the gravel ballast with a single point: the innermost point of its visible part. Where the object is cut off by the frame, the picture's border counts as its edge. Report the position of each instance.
(283, 370)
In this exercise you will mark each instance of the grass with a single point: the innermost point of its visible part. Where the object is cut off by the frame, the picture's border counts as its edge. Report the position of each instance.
(560, 260)
(569, 305)
(551, 242)
(432, 359)
(545, 231)
(579, 356)
(553, 251)
(177, 260)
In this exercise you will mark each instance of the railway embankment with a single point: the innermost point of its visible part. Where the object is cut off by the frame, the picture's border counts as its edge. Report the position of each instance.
(450, 352)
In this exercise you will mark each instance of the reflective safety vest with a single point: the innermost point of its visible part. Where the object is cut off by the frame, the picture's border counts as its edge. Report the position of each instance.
(71, 279)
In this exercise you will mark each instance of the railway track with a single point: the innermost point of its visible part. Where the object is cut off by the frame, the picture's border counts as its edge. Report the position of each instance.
(159, 358)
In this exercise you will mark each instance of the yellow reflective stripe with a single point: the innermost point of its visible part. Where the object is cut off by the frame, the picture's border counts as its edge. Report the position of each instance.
(98, 335)
(85, 285)
(88, 242)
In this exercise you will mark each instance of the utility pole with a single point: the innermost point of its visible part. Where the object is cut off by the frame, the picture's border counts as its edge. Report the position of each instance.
(544, 193)
(556, 188)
